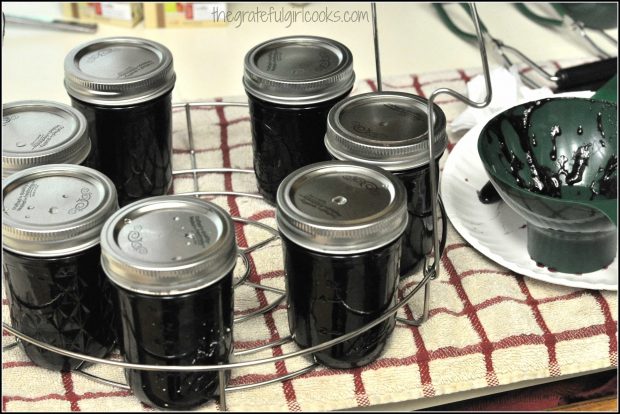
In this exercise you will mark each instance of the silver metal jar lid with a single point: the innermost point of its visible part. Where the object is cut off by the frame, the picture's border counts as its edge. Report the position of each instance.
(298, 70)
(385, 129)
(42, 132)
(341, 207)
(55, 210)
(119, 71)
(168, 245)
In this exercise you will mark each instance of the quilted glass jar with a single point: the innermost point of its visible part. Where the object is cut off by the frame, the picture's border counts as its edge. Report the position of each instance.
(390, 130)
(292, 83)
(171, 260)
(341, 225)
(51, 219)
(123, 86)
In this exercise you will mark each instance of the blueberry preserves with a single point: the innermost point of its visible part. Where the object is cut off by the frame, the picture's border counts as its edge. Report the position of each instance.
(390, 130)
(123, 86)
(341, 225)
(292, 83)
(488, 194)
(171, 260)
(42, 132)
(51, 219)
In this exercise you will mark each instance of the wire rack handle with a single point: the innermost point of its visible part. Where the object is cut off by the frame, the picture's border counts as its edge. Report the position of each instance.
(434, 267)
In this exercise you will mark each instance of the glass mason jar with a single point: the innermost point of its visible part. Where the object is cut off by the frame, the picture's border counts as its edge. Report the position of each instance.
(123, 86)
(390, 130)
(171, 260)
(57, 291)
(42, 132)
(341, 225)
(292, 83)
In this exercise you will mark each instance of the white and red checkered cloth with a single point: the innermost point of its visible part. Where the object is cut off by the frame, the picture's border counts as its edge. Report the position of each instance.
(487, 326)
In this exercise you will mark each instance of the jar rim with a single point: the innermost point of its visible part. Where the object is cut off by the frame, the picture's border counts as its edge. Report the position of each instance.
(55, 146)
(141, 81)
(326, 80)
(341, 207)
(168, 245)
(396, 151)
(90, 194)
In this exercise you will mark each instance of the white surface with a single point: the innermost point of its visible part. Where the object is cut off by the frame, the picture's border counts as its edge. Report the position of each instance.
(209, 61)
(507, 89)
(495, 230)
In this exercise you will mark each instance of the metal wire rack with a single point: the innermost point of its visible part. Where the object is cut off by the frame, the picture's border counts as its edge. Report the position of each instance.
(244, 252)
(429, 271)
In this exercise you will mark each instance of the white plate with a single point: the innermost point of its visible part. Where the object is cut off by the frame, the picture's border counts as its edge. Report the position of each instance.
(495, 230)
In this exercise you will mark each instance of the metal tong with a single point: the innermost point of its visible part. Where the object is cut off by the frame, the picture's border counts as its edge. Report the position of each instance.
(581, 77)
(63, 25)
(604, 18)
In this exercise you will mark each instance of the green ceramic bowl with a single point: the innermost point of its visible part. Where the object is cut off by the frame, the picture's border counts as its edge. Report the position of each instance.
(554, 162)
(593, 15)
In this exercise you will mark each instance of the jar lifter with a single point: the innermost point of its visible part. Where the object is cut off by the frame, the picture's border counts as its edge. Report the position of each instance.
(580, 77)
(573, 23)
(429, 271)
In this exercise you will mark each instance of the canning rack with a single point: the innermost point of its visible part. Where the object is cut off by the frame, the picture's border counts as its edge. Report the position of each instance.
(429, 271)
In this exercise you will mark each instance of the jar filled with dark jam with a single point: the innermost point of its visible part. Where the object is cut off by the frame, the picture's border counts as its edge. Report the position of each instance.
(123, 86)
(171, 260)
(42, 132)
(52, 216)
(390, 130)
(341, 225)
(292, 83)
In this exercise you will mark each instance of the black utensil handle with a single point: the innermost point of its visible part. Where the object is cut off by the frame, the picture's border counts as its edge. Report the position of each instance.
(591, 86)
(589, 73)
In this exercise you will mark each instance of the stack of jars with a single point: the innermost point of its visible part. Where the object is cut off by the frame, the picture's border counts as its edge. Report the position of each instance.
(349, 177)
(349, 226)
(154, 277)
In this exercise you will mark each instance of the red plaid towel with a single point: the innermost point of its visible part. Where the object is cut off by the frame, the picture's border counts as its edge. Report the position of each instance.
(487, 326)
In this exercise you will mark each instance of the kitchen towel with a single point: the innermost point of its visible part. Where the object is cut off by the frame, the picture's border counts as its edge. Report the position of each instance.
(487, 326)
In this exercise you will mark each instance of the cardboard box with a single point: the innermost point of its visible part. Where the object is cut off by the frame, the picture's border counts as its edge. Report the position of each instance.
(175, 15)
(118, 14)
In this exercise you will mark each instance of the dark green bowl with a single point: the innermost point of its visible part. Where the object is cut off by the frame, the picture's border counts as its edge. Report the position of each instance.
(593, 15)
(554, 162)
